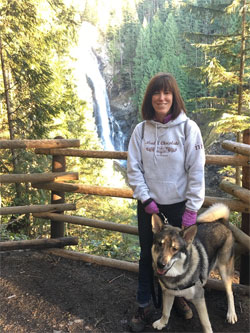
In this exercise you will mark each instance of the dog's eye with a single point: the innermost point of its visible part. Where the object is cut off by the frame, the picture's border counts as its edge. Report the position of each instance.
(161, 242)
(174, 248)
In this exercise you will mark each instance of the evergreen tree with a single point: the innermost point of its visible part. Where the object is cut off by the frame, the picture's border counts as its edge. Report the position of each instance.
(220, 72)
(148, 8)
(173, 55)
(159, 50)
(31, 54)
(34, 79)
(142, 71)
(129, 33)
(190, 23)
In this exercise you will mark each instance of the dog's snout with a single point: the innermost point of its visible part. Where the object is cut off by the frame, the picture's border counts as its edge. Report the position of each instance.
(160, 264)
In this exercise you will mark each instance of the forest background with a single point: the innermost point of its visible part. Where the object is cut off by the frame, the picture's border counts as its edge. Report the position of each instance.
(203, 43)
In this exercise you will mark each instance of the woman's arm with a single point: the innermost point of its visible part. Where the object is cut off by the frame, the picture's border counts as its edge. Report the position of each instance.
(135, 170)
(194, 165)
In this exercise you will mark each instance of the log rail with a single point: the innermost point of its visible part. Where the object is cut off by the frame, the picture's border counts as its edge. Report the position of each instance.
(38, 177)
(36, 209)
(53, 143)
(233, 204)
(235, 160)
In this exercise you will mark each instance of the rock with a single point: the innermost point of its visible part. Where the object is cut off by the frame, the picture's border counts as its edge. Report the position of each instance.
(76, 326)
(125, 114)
(214, 174)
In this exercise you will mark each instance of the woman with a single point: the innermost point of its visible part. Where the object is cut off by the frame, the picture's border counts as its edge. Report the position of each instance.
(166, 172)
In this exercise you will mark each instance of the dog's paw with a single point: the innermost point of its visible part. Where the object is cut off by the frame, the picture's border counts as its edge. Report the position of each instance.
(232, 317)
(159, 324)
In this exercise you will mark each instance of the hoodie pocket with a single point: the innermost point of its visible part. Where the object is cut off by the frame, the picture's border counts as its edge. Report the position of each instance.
(163, 192)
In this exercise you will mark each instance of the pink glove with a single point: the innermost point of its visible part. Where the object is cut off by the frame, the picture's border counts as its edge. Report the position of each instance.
(150, 206)
(188, 218)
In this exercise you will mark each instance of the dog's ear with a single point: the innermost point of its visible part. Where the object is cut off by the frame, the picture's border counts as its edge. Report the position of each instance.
(157, 224)
(189, 233)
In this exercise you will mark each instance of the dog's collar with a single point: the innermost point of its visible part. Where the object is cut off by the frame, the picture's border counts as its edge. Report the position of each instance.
(185, 287)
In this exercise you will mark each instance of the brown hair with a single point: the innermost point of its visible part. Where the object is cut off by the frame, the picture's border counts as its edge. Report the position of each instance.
(166, 82)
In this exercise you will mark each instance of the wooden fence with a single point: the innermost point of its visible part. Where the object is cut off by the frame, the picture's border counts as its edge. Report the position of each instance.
(56, 182)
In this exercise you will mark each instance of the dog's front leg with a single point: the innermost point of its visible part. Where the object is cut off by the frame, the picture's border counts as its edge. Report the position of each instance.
(201, 308)
(168, 301)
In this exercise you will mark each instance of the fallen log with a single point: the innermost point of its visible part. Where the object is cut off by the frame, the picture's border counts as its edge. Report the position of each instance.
(38, 177)
(108, 262)
(36, 209)
(38, 243)
(236, 190)
(133, 267)
(218, 285)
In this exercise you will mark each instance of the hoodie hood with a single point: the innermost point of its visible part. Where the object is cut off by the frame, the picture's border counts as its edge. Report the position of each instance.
(160, 129)
(180, 119)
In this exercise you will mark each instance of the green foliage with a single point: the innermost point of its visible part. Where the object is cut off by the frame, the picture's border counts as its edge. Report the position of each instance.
(33, 53)
(121, 43)
(229, 123)
(8, 235)
(235, 218)
(225, 58)
(107, 243)
(158, 50)
(31, 59)
(146, 42)
(90, 12)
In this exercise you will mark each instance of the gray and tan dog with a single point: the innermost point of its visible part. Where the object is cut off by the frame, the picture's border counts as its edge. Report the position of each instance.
(183, 259)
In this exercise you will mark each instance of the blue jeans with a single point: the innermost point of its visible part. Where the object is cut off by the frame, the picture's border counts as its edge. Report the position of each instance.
(174, 215)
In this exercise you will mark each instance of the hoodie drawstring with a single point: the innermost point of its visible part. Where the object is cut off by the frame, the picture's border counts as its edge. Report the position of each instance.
(156, 139)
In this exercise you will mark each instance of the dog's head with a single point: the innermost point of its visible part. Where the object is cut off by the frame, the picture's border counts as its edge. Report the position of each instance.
(170, 247)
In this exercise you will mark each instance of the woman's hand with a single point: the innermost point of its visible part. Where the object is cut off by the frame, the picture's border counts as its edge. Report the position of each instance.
(188, 218)
(150, 206)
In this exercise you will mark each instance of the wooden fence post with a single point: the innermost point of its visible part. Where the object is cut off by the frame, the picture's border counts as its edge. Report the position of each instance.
(58, 165)
(245, 225)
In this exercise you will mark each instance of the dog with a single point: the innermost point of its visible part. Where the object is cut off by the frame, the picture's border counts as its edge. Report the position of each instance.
(183, 259)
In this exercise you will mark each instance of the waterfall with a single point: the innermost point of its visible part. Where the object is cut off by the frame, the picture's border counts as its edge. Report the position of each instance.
(100, 101)
(108, 129)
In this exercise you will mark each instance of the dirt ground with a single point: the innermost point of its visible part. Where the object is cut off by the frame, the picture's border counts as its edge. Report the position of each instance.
(41, 293)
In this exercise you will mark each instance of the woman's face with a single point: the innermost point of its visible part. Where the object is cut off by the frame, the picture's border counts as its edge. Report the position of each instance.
(162, 102)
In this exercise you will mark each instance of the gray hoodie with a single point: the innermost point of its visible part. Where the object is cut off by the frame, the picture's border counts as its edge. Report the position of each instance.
(166, 162)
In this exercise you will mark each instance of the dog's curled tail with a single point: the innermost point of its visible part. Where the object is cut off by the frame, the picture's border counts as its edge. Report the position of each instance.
(215, 212)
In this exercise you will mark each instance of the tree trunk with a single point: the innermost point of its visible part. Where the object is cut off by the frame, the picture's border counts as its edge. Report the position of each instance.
(9, 114)
(240, 88)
